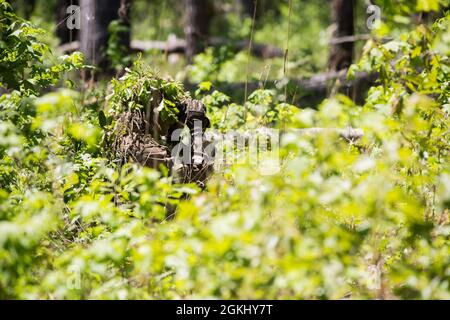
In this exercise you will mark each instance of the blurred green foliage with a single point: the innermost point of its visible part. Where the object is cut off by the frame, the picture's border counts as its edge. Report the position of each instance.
(357, 219)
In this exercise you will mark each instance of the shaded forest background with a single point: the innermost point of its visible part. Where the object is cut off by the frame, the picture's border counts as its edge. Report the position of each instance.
(288, 40)
(353, 204)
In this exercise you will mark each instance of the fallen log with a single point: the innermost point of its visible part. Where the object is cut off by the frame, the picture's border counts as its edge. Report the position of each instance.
(349, 134)
(70, 46)
(175, 45)
(358, 37)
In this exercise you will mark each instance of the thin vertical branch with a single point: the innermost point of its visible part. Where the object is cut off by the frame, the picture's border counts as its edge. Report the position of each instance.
(286, 52)
(249, 55)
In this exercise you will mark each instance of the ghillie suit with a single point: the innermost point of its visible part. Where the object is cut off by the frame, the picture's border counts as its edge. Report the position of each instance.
(150, 118)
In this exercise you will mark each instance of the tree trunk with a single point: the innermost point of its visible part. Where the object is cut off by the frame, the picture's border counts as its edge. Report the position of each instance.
(247, 7)
(198, 18)
(341, 55)
(27, 5)
(29, 8)
(124, 18)
(96, 15)
(63, 32)
(263, 7)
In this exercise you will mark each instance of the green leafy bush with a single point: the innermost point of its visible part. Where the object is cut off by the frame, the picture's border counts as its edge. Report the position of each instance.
(355, 218)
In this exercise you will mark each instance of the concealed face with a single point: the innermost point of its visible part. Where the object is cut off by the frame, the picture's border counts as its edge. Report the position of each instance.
(195, 110)
(190, 111)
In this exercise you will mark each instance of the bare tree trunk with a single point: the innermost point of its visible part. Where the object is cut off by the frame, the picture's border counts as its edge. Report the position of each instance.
(96, 15)
(247, 7)
(341, 55)
(124, 18)
(198, 18)
(27, 5)
(29, 8)
(65, 34)
(263, 7)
